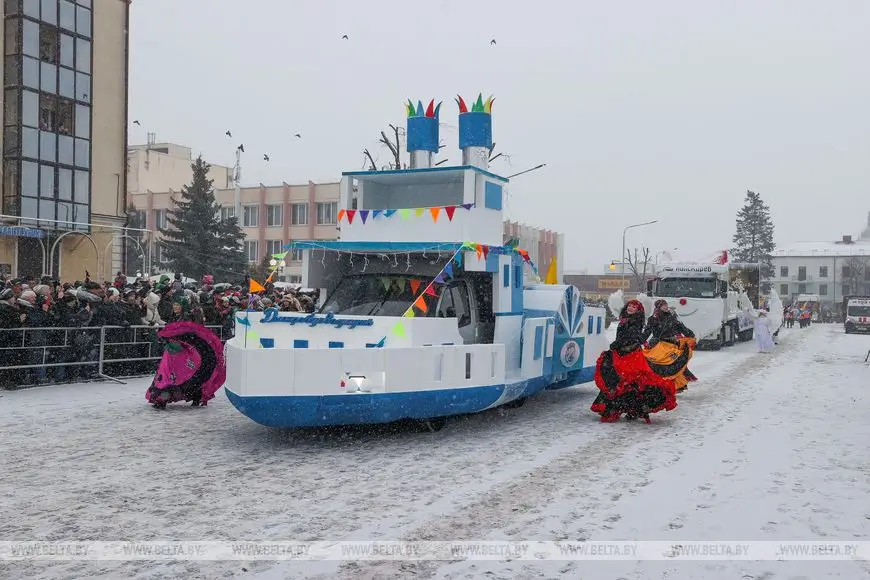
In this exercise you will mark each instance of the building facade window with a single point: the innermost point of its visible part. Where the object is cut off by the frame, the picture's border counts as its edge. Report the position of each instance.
(823, 289)
(783, 271)
(228, 212)
(299, 214)
(273, 247)
(296, 255)
(802, 288)
(47, 120)
(160, 221)
(823, 271)
(326, 213)
(783, 289)
(294, 279)
(251, 216)
(252, 251)
(802, 273)
(274, 215)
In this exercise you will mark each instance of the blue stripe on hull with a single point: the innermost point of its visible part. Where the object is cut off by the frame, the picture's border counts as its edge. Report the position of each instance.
(371, 408)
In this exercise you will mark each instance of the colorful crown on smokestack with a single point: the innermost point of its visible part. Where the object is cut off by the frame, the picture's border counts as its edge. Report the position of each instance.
(422, 126)
(475, 126)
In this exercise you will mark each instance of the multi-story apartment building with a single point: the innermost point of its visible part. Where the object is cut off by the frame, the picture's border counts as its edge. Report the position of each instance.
(64, 136)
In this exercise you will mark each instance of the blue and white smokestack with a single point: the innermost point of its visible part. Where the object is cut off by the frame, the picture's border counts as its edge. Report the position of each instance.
(422, 133)
(475, 131)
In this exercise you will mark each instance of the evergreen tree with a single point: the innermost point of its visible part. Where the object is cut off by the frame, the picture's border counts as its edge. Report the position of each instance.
(199, 242)
(753, 240)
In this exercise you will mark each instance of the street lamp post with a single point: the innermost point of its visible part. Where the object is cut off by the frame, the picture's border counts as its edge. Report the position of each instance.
(623, 245)
(278, 265)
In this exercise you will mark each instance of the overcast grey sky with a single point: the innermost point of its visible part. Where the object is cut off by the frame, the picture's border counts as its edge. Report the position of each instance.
(642, 110)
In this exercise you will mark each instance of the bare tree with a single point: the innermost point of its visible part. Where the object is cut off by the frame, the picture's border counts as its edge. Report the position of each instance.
(638, 264)
(394, 144)
(854, 275)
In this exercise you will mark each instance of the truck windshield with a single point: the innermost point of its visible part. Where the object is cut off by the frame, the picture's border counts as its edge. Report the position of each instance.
(369, 295)
(686, 288)
(858, 311)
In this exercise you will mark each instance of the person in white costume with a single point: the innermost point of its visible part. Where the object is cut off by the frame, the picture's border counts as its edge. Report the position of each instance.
(763, 336)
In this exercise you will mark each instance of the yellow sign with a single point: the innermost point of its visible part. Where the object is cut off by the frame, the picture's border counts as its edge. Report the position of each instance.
(613, 283)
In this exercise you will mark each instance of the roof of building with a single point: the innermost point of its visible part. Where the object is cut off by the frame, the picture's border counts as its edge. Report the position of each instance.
(823, 249)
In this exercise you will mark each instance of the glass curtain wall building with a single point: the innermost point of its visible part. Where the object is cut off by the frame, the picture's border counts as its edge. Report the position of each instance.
(50, 64)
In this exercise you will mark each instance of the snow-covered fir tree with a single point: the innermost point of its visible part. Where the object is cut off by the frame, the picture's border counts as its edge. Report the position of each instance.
(199, 241)
(753, 238)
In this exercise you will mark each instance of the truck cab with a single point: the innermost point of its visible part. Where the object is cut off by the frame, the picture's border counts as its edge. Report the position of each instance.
(703, 297)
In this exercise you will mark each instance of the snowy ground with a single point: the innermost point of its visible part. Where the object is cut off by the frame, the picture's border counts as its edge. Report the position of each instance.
(763, 447)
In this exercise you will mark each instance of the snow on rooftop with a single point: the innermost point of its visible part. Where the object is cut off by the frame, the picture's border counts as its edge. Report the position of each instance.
(810, 249)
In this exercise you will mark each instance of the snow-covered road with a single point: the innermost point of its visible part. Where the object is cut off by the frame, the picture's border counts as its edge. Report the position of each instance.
(763, 447)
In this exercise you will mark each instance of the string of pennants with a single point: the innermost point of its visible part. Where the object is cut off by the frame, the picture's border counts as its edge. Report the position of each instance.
(404, 214)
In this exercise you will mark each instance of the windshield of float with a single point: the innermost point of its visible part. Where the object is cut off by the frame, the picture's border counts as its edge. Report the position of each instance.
(369, 295)
(686, 288)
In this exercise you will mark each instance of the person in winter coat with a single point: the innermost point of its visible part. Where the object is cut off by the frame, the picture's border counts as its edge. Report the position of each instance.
(181, 311)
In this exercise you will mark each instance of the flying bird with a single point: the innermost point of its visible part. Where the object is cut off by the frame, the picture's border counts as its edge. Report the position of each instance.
(345, 37)
(265, 157)
(492, 42)
(242, 147)
(299, 135)
(229, 134)
(137, 123)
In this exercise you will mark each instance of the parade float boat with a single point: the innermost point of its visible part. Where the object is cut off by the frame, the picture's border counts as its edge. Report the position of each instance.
(426, 311)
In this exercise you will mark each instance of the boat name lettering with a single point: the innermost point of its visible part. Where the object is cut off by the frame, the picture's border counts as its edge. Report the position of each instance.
(271, 315)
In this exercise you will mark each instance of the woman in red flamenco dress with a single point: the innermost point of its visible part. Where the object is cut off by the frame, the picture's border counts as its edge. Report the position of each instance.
(627, 384)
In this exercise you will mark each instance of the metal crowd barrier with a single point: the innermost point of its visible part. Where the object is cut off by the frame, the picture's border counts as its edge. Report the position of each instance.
(30, 356)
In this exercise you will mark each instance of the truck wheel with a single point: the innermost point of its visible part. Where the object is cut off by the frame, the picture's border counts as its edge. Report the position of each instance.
(730, 333)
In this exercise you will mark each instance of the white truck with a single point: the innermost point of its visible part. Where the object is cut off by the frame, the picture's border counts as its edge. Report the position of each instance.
(713, 300)
(857, 314)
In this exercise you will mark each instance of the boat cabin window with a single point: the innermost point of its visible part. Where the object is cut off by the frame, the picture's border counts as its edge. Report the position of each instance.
(454, 303)
(368, 295)
(687, 288)
(858, 311)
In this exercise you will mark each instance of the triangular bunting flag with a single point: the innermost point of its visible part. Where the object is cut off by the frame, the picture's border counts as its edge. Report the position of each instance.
(399, 329)
(419, 211)
(386, 283)
(415, 285)
(389, 213)
(439, 279)
(269, 279)
(243, 321)
(340, 215)
(280, 256)
(449, 211)
(255, 287)
(479, 249)
(420, 303)
(434, 211)
(430, 291)
(409, 313)
(448, 269)
(458, 259)
(485, 252)
(467, 205)
(376, 213)
(404, 213)
(364, 215)
(401, 283)
(350, 213)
